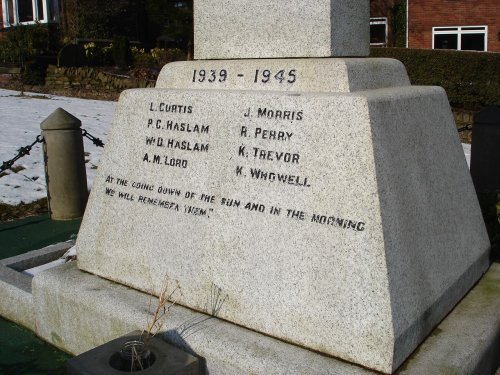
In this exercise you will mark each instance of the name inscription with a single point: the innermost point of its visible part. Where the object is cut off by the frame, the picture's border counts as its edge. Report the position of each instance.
(266, 152)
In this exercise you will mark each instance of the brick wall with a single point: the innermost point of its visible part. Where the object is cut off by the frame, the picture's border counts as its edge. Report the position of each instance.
(381, 8)
(425, 14)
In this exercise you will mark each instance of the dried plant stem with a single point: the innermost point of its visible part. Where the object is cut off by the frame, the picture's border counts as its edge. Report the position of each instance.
(165, 302)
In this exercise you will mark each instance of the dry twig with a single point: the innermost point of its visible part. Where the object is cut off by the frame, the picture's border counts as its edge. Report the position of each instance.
(166, 299)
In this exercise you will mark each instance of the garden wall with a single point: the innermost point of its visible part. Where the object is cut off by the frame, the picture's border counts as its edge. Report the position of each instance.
(59, 78)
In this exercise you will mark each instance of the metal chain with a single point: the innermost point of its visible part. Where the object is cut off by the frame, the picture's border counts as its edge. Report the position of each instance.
(464, 128)
(23, 151)
(94, 140)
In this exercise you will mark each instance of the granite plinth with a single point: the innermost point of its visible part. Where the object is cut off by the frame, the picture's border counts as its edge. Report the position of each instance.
(292, 75)
(240, 29)
(77, 311)
(334, 221)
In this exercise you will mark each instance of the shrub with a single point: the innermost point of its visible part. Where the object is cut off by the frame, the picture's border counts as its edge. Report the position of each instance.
(34, 73)
(71, 55)
(164, 56)
(23, 43)
(490, 207)
(142, 59)
(122, 54)
(471, 79)
(107, 54)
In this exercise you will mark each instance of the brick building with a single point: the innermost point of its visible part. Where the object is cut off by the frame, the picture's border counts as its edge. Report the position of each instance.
(382, 31)
(454, 24)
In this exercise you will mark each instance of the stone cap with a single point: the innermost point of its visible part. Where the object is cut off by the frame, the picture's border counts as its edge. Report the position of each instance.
(60, 120)
(242, 29)
(293, 75)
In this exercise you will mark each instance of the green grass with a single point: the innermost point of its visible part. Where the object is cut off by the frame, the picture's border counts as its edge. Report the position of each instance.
(21, 352)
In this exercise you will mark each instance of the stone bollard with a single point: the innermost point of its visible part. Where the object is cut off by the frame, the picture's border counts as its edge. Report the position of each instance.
(65, 173)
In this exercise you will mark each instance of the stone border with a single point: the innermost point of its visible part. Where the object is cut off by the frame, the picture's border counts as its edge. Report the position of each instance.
(466, 341)
(85, 311)
(15, 286)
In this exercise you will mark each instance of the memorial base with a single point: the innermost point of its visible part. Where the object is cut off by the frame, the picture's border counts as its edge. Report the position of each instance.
(346, 223)
(77, 311)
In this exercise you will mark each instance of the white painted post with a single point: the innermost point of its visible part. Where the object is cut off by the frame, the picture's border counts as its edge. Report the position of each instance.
(46, 15)
(15, 11)
(34, 6)
(5, 11)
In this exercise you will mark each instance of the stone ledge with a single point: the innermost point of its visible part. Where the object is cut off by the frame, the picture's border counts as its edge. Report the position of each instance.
(297, 75)
(15, 287)
(77, 311)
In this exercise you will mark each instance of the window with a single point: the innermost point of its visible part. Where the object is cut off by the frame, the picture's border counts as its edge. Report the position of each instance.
(39, 10)
(29, 11)
(462, 38)
(25, 10)
(378, 31)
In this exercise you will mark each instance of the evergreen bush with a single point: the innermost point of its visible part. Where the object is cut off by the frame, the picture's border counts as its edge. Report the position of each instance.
(122, 54)
(34, 73)
(471, 79)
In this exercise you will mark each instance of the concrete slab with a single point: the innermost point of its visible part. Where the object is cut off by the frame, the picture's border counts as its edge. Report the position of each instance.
(15, 286)
(77, 311)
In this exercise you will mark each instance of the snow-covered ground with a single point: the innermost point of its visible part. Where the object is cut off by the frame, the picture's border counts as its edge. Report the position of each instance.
(20, 120)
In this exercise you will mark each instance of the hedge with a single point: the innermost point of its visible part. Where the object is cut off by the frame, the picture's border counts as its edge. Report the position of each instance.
(471, 79)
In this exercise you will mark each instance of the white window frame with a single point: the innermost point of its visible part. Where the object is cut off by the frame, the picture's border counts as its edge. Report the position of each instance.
(459, 31)
(7, 22)
(380, 21)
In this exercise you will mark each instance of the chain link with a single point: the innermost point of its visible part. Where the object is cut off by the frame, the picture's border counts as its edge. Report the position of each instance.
(23, 151)
(96, 141)
(464, 128)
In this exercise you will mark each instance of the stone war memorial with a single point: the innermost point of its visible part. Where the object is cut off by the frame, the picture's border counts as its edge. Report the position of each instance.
(315, 187)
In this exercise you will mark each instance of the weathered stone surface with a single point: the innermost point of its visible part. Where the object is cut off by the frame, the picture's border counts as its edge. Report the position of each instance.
(16, 301)
(304, 75)
(77, 311)
(332, 221)
(240, 29)
(87, 311)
